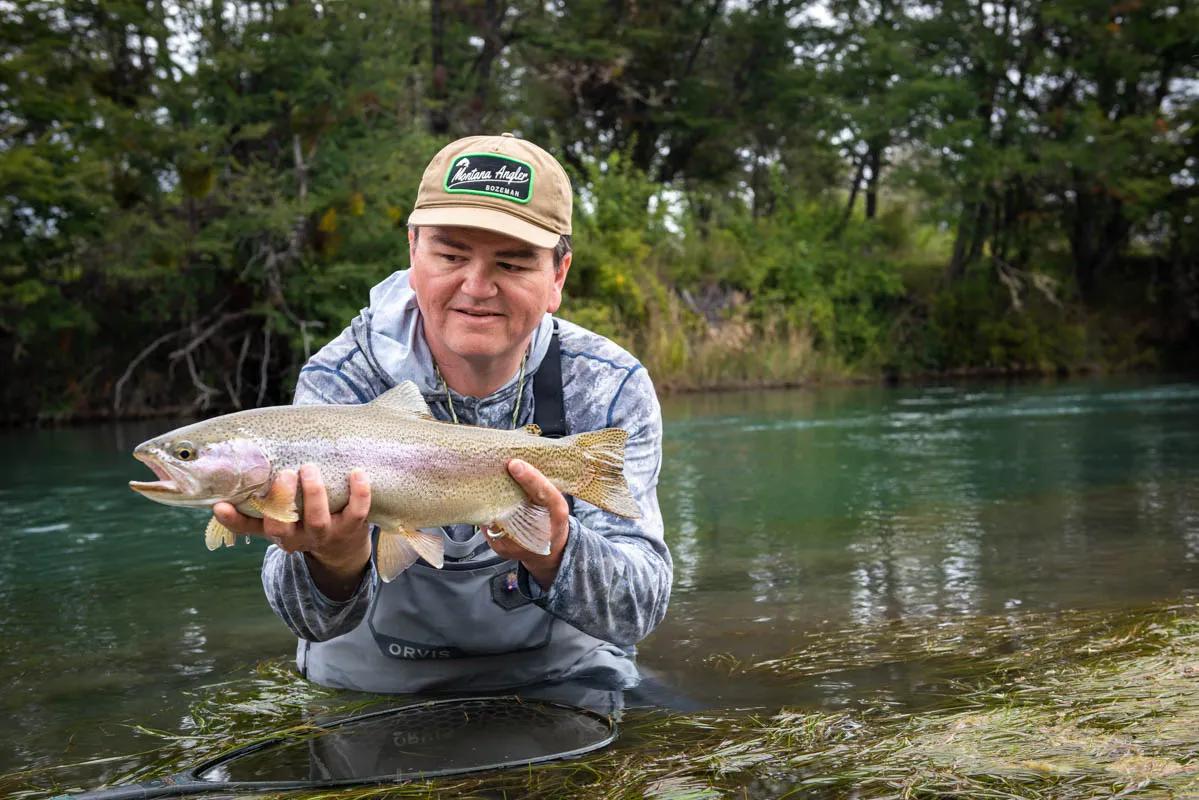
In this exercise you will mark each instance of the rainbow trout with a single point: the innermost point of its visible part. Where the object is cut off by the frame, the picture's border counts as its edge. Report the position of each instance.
(424, 473)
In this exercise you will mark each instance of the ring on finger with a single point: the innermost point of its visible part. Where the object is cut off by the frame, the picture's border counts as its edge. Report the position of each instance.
(494, 534)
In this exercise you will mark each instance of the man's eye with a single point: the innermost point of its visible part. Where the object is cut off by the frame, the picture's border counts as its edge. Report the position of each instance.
(508, 266)
(453, 258)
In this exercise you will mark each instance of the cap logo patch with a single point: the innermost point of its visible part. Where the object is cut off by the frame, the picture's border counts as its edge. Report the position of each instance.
(491, 175)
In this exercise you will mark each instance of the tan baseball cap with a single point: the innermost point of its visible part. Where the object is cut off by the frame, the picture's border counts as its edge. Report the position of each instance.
(498, 183)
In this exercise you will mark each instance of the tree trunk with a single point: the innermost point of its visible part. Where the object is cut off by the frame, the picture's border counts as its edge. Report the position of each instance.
(853, 195)
(968, 242)
(1098, 235)
(874, 160)
(493, 45)
(439, 123)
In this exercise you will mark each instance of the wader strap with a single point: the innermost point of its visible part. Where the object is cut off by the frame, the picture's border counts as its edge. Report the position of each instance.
(548, 410)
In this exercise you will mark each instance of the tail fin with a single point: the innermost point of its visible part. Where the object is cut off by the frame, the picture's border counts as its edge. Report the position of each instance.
(604, 485)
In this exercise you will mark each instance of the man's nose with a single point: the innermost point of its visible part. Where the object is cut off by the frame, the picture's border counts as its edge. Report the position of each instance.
(478, 281)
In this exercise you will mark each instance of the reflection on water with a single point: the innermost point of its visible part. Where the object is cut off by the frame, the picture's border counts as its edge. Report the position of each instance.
(860, 506)
(788, 513)
(430, 737)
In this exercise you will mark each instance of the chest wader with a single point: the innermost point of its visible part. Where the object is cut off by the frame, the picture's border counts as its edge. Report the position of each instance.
(466, 626)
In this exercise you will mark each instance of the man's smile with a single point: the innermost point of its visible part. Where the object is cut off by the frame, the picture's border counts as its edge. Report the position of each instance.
(478, 313)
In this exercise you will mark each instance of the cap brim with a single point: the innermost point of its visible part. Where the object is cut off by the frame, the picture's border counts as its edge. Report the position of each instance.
(487, 219)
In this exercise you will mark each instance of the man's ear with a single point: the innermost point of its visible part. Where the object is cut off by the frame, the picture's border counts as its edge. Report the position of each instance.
(411, 245)
(559, 280)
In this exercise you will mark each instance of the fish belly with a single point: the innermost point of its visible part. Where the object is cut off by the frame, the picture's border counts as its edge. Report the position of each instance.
(434, 486)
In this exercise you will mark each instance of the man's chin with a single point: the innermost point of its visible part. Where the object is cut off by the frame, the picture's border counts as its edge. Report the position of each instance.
(474, 346)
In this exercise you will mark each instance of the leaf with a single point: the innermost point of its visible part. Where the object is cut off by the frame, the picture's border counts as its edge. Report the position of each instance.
(328, 223)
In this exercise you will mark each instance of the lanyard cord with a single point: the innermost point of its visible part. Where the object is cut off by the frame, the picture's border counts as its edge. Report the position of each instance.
(520, 390)
(449, 399)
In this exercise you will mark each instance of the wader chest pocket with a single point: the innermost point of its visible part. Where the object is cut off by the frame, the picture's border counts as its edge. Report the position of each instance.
(505, 591)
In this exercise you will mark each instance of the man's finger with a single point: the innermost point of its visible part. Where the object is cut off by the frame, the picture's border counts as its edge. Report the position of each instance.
(234, 520)
(316, 499)
(290, 545)
(359, 505)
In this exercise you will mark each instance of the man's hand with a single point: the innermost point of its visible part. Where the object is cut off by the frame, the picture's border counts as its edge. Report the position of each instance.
(539, 489)
(336, 546)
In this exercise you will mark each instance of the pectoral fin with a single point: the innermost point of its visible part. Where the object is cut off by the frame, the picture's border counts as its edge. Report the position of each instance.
(399, 547)
(276, 505)
(529, 527)
(217, 534)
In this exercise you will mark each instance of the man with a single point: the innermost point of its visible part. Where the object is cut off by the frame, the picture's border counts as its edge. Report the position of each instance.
(471, 324)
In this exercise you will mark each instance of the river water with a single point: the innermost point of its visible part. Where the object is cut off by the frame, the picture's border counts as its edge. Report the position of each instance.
(788, 513)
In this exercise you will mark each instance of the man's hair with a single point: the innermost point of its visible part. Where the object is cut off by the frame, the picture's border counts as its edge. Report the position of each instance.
(560, 249)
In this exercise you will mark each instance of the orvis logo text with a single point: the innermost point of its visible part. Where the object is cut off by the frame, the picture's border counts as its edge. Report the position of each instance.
(408, 651)
(491, 175)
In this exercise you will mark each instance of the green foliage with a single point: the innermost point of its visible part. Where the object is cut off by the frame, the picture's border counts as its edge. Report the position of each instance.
(194, 195)
(796, 268)
(965, 331)
(616, 239)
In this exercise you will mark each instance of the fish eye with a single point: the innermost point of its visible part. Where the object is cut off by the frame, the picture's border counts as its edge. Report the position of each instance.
(185, 451)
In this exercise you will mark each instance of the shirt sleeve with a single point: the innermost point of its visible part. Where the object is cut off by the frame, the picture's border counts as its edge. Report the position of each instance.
(338, 374)
(614, 580)
(295, 598)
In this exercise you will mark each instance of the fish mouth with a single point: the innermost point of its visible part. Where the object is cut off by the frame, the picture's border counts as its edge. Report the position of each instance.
(165, 485)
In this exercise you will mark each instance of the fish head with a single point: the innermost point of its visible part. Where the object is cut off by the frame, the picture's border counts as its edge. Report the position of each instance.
(199, 470)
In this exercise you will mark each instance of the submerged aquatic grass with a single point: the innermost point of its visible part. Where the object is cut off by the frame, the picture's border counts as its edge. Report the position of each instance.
(1092, 705)
(961, 647)
(1067, 705)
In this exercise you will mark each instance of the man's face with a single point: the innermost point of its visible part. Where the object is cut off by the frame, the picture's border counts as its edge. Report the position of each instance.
(482, 293)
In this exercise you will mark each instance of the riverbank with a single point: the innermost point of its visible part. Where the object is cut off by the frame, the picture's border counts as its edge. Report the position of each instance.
(814, 380)
(673, 385)
(889, 318)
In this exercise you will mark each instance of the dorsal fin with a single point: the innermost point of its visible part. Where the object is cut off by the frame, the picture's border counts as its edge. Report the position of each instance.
(404, 397)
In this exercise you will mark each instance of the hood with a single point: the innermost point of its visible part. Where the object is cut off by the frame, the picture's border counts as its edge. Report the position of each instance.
(390, 334)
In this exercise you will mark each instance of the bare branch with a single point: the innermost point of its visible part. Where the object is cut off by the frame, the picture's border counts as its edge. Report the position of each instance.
(1046, 285)
(1016, 280)
(1009, 278)
(266, 359)
(241, 359)
(232, 393)
(301, 167)
(206, 391)
(142, 356)
(200, 338)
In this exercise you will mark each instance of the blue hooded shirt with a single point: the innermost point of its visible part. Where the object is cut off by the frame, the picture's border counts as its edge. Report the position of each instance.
(613, 584)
